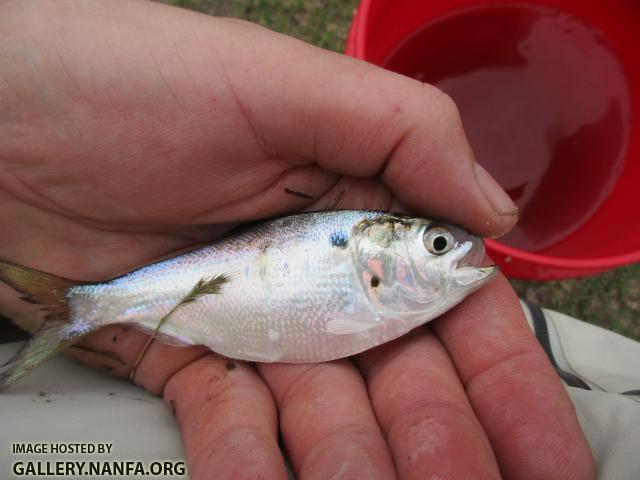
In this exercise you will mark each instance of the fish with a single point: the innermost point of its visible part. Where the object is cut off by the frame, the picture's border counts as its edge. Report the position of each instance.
(304, 288)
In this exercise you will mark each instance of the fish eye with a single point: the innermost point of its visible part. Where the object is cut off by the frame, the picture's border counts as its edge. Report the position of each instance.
(438, 240)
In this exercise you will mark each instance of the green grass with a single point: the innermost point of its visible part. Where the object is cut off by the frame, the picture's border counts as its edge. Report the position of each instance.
(324, 23)
(611, 300)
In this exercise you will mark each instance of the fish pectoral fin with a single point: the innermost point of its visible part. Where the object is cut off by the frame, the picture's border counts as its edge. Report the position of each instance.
(343, 325)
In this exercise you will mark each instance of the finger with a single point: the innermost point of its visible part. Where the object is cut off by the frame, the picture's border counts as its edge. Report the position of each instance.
(326, 421)
(517, 396)
(115, 348)
(421, 405)
(226, 413)
(357, 120)
(355, 193)
(228, 420)
(235, 127)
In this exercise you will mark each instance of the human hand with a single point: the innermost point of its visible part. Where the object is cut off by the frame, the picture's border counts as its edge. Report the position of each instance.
(130, 128)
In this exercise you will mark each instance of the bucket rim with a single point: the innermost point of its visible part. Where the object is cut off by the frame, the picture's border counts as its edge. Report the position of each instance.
(360, 24)
(607, 262)
(356, 47)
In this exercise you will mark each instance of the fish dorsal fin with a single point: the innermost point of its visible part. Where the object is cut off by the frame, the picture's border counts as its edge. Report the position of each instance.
(343, 325)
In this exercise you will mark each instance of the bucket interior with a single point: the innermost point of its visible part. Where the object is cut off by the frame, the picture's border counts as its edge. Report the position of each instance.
(572, 165)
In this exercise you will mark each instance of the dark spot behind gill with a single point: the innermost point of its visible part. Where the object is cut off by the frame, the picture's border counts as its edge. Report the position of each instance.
(339, 239)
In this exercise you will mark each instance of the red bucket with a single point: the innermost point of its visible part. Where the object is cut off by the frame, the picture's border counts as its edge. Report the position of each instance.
(548, 93)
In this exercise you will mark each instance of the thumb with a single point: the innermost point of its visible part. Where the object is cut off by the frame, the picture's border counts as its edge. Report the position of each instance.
(352, 118)
(139, 112)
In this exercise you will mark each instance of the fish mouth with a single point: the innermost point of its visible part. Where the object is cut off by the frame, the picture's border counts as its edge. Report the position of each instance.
(472, 252)
(464, 255)
(465, 269)
(474, 277)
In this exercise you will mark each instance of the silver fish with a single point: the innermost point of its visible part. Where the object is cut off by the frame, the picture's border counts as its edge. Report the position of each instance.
(305, 288)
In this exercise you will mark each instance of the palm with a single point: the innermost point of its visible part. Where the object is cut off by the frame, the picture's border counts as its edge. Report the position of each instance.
(134, 127)
(46, 233)
(115, 175)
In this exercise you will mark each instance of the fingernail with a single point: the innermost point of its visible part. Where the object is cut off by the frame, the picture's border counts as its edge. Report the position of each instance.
(495, 195)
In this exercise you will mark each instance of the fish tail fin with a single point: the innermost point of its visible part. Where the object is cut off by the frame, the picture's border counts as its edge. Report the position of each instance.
(46, 342)
(38, 287)
(54, 335)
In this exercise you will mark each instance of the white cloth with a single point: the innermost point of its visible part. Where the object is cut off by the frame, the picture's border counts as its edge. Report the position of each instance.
(63, 401)
(610, 365)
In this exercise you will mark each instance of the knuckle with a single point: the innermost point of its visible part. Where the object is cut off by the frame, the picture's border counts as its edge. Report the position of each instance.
(442, 106)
